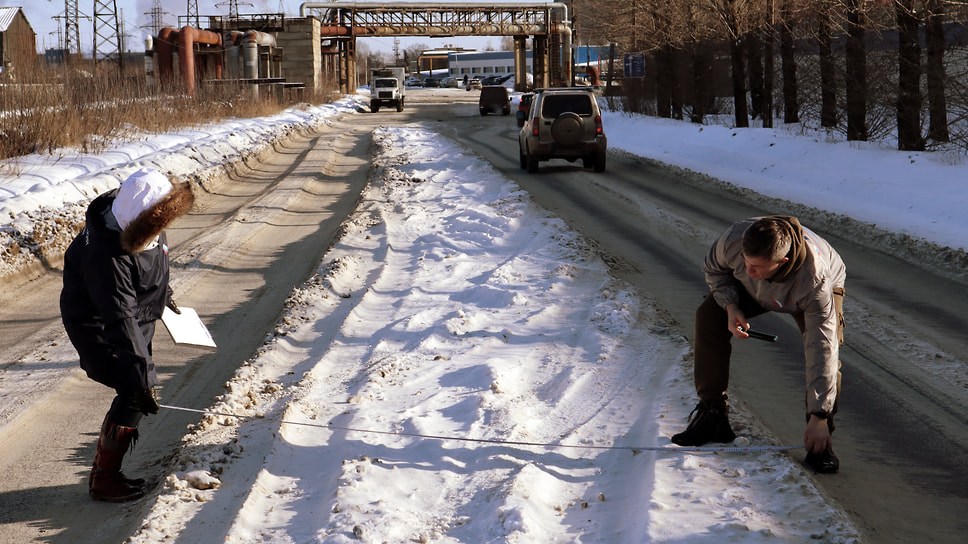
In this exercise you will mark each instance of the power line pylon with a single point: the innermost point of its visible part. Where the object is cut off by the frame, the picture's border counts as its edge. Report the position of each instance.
(193, 13)
(233, 8)
(156, 16)
(108, 44)
(72, 30)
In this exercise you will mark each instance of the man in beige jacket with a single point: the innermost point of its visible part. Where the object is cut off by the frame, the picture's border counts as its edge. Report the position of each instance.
(758, 265)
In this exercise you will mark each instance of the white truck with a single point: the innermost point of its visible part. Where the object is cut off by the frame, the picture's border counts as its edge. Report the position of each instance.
(387, 88)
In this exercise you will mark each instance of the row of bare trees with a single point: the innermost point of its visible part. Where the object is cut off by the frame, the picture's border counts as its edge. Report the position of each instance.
(853, 65)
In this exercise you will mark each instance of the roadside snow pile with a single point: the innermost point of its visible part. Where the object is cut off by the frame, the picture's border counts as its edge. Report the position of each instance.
(43, 197)
(38, 237)
(454, 326)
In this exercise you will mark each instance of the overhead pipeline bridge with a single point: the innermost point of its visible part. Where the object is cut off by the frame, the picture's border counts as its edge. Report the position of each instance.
(546, 23)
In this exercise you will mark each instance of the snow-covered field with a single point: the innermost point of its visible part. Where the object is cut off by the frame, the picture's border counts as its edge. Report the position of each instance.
(462, 368)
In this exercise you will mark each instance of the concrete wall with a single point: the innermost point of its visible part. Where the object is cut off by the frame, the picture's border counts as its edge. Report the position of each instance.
(302, 57)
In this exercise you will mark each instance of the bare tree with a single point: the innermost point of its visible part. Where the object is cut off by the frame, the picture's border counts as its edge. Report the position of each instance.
(768, 39)
(909, 77)
(753, 48)
(730, 15)
(702, 40)
(856, 79)
(937, 103)
(791, 105)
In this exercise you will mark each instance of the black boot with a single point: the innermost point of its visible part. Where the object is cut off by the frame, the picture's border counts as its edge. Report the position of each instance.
(106, 482)
(824, 462)
(706, 424)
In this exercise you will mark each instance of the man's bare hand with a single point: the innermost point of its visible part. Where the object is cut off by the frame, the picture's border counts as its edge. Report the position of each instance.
(736, 321)
(816, 437)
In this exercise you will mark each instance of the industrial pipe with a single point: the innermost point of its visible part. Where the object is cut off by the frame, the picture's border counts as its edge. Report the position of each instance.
(250, 50)
(564, 29)
(422, 30)
(233, 47)
(187, 38)
(165, 53)
(306, 6)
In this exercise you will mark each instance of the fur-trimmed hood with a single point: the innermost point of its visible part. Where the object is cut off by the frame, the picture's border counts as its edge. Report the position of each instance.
(146, 204)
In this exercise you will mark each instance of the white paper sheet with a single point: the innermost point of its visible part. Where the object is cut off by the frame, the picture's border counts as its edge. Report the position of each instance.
(187, 327)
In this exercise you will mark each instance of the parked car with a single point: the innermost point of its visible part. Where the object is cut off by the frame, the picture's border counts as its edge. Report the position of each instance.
(494, 99)
(413, 82)
(431, 82)
(474, 84)
(449, 82)
(563, 123)
(524, 104)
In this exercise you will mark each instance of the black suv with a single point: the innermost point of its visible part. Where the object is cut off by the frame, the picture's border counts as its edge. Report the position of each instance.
(563, 123)
(494, 99)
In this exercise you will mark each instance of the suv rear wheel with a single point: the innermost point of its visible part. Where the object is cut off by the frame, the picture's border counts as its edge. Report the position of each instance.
(600, 162)
(532, 164)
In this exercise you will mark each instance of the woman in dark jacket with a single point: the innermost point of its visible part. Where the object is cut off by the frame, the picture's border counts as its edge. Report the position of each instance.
(115, 288)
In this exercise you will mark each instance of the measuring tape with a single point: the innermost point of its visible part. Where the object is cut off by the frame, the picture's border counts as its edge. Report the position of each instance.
(633, 449)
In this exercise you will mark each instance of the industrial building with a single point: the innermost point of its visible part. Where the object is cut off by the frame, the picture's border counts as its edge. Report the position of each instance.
(485, 64)
(18, 45)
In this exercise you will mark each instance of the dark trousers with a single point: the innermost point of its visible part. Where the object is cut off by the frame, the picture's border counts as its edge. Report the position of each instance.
(125, 409)
(713, 345)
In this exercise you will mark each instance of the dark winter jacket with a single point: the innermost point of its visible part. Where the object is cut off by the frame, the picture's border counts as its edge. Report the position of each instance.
(116, 287)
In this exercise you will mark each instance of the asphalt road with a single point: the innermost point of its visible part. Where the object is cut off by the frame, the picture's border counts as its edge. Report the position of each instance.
(901, 438)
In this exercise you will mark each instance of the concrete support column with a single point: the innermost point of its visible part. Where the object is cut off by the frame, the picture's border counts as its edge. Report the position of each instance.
(302, 61)
(347, 66)
(521, 63)
(540, 60)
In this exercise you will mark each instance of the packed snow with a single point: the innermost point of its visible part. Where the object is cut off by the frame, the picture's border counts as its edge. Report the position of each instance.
(463, 368)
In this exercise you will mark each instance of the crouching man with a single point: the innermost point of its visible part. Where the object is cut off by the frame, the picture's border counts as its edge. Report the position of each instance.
(760, 265)
(115, 289)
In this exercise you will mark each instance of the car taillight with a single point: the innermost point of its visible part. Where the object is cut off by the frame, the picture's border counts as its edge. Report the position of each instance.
(598, 125)
(534, 127)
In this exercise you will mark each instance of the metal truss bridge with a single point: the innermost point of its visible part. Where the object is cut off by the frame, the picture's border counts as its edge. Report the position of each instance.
(547, 23)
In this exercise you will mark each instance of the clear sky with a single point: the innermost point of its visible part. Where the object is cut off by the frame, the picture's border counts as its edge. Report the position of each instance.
(135, 13)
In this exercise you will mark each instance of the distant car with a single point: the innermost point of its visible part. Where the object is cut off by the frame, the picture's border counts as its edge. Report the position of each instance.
(494, 99)
(413, 82)
(449, 82)
(563, 123)
(473, 84)
(523, 106)
(431, 82)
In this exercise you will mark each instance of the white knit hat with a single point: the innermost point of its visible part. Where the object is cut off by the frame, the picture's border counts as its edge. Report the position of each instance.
(142, 190)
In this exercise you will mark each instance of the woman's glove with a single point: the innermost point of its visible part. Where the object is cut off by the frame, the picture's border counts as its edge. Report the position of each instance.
(147, 401)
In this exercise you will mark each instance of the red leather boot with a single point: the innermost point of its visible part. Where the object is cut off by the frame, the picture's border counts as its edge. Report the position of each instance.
(106, 482)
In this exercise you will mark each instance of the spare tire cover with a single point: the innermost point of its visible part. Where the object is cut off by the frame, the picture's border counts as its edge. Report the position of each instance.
(567, 129)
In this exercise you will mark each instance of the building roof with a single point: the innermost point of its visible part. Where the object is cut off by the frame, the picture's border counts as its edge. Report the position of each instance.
(6, 17)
